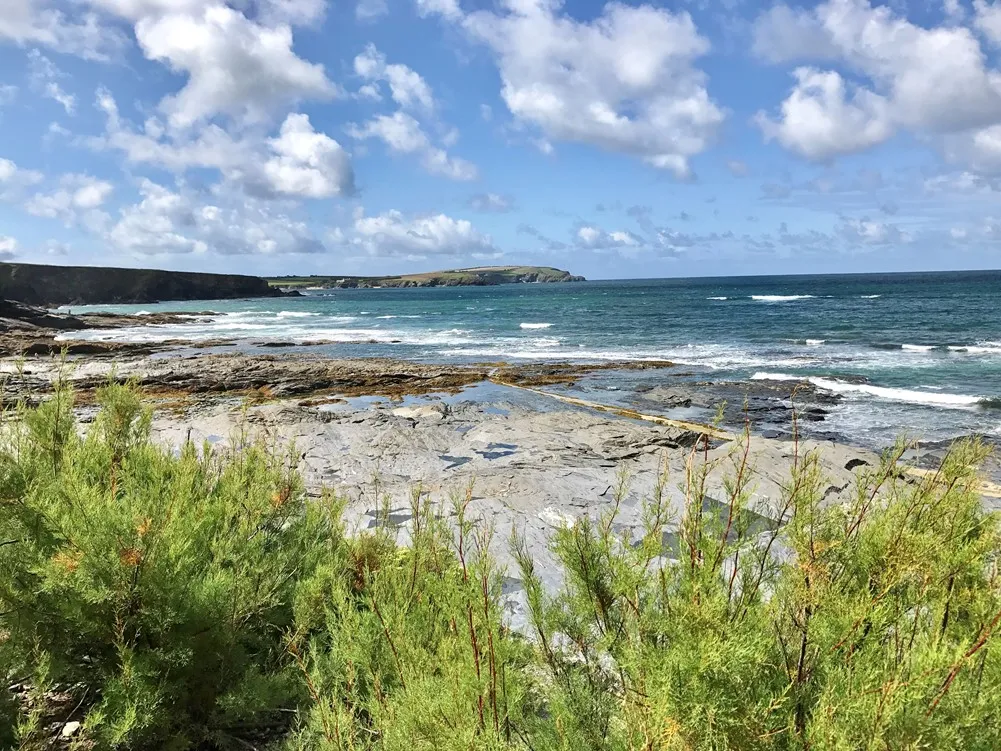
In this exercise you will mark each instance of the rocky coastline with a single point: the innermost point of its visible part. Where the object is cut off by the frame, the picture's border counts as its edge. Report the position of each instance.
(536, 452)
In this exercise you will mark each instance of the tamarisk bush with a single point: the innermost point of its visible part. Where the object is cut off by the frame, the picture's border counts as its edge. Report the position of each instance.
(196, 599)
(153, 587)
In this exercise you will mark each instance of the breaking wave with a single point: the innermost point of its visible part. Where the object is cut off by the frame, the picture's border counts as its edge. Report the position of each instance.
(951, 401)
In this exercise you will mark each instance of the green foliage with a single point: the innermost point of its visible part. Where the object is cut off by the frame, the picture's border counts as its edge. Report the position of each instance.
(408, 651)
(154, 587)
(196, 599)
(876, 631)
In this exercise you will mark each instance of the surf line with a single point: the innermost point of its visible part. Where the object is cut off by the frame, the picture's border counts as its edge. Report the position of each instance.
(986, 488)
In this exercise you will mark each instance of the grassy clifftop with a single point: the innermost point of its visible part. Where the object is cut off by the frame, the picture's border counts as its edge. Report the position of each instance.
(475, 277)
(37, 284)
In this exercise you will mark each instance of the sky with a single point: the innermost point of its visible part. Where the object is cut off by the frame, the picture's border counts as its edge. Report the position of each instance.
(615, 140)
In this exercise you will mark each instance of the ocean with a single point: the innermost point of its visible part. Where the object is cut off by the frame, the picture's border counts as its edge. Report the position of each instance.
(916, 354)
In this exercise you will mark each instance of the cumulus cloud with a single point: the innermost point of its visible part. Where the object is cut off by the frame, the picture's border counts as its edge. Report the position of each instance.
(595, 238)
(393, 234)
(406, 86)
(818, 120)
(307, 163)
(987, 20)
(401, 131)
(403, 134)
(491, 203)
(209, 146)
(14, 179)
(77, 201)
(934, 81)
(166, 221)
(234, 65)
(299, 162)
(39, 22)
(625, 82)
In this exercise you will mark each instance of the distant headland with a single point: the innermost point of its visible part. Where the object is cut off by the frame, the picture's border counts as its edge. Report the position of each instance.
(38, 284)
(480, 276)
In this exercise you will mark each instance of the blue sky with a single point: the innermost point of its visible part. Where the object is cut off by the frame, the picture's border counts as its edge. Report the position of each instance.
(614, 140)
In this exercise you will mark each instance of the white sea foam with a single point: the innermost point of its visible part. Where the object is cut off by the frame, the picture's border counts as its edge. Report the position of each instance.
(869, 297)
(535, 325)
(917, 347)
(815, 342)
(715, 298)
(296, 314)
(143, 313)
(781, 298)
(952, 401)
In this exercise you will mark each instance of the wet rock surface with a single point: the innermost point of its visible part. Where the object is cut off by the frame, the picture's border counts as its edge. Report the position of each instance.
(768, 406)
(533, 464)
(31, 330)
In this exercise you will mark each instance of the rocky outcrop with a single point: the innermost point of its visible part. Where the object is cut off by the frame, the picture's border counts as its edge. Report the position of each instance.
(32, 330)
(86, 285)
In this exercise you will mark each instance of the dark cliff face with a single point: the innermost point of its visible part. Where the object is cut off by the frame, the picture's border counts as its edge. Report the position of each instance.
(85, 285)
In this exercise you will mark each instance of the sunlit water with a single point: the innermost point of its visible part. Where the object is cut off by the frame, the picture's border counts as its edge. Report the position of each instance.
(908, 352)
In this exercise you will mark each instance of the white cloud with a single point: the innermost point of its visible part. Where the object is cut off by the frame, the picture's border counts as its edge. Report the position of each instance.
(404, 135)
(987, 20)
(234, 65)
(307, 163)
(406, 86)
(77, 200)
(595, 238)
(818, 122)
(299, 162)
(168, 222)
(392, 234)
(206, 147)
(979, 149)
(934, 81)
(44, 77)
(954, 10)
(31, 22)
(13, 179)
(869, 232)
(370, 10)
(491, 202)
(624, 82)
(369, 91)
(8, 247)
(447, 8)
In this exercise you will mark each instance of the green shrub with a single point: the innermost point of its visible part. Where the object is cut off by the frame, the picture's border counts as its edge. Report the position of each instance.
(195, 599)
(876, 632)
(154, 587)
(408, 651)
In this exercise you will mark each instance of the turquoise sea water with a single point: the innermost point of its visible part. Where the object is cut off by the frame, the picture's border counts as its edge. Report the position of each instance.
(908, 352)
